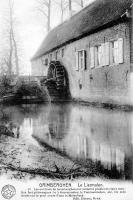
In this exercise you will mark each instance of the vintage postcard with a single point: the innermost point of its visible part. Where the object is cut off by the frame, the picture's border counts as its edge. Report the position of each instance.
(66, 99)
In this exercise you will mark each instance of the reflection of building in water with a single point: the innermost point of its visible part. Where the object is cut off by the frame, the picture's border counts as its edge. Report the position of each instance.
(59, 121)
(27, 127)
(132, 142)
(10, 121)
(103, 137)
(52, 124)
(109, 156)
(85, 134)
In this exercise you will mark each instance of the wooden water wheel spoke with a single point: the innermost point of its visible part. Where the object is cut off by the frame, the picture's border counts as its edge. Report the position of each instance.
(56, 89)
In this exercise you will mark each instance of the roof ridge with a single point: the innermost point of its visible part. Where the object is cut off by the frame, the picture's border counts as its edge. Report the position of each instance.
(97, 14)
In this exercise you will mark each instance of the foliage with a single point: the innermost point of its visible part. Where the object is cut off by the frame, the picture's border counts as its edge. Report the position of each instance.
(5, 85)
(28, 89)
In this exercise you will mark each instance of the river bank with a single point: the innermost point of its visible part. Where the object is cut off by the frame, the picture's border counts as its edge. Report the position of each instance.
(22, 160)
(65, 141)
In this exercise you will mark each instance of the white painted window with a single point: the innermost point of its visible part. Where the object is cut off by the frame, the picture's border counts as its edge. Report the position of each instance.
(117, 51)
(121, 50)
(84, 59)
(80, 60)
(99, 55)
(92, 57)
(106, 54)
(77, 64)
(100, 51)
(96, 56)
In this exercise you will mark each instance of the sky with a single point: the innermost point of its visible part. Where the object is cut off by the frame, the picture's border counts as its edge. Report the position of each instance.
(30, 27)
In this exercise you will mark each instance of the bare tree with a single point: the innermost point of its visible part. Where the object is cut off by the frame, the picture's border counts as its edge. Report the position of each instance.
(10, 56)
(63, 5)
(13, 41)
(44, 7)
(79, 2)
(70, 8)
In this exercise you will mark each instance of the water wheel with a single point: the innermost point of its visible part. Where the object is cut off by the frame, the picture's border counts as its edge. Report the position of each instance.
(56, 81)
(56, 73)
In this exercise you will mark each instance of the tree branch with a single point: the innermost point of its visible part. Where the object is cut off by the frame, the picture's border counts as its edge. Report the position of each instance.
(42, 11)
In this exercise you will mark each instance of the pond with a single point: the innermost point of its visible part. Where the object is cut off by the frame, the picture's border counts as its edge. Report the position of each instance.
(88, 136)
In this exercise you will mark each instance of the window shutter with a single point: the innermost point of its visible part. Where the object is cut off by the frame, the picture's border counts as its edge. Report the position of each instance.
(116, 52)
(96, 56)
(84, 59)
(102, 55)
(120, 50)
(77, 63)
(111, 52)
(92, 57)
(106, 53)
(80, 60)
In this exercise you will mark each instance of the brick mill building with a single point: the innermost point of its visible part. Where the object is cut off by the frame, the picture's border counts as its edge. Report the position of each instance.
(95, 46)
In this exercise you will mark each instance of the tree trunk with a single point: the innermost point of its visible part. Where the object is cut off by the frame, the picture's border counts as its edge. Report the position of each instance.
(82, 3)
(62, 11)
(16, 54)
(49, 14)
(10, 38)
(10, 55)
(70, 8)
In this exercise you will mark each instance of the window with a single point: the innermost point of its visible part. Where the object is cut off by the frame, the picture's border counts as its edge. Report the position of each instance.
(114, 52)
(62, 52)
(81, 60)
(98, 56)
(117, 51)
(121, 50)
(50, 57)
(92, 57)
(46, 61)
(107, 53)
(43, 60)
(56, 55)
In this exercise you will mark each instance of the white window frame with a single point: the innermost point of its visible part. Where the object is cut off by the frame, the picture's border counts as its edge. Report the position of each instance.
(80, 60)
(117, 51)
(121, 50)
(107, 54)
(98, 55)
(92, 57)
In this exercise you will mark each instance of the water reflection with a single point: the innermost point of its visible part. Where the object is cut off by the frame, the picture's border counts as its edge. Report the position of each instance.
(90, 136)
(7, 127)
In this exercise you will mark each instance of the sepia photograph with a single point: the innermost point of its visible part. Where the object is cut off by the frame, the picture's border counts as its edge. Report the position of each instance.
(66, 99)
